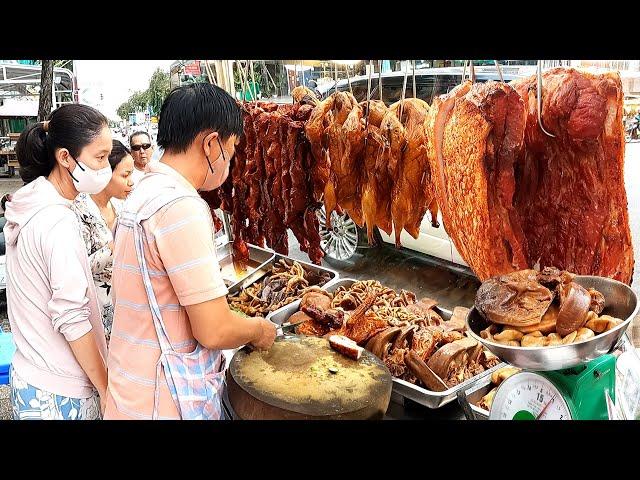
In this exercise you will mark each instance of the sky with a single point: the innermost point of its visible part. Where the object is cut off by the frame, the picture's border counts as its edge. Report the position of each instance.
(116, 80)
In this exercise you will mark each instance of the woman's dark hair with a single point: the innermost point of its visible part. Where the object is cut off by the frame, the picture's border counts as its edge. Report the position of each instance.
(3, 201)
(118, 152)
(71, 126)
(194, 108)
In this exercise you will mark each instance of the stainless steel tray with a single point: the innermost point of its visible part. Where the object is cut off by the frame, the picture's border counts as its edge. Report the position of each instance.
(260, 264)
(291, 308)
(471, 395)
(310, 266)
(281, 316)
(621, 302)
(265, 270)
(403, 388)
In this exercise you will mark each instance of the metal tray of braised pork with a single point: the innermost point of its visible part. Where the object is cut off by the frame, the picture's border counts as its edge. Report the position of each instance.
(405, 389)
(258, 271)
(309, 266)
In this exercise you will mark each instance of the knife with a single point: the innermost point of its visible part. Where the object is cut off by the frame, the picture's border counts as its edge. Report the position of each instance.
(248, 348)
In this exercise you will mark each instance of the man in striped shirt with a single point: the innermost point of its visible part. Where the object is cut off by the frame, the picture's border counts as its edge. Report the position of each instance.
(199, 127)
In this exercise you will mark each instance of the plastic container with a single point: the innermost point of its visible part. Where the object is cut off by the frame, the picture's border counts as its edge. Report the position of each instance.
(7, 349)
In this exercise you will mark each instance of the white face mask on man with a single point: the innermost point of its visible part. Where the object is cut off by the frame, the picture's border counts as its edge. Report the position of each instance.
(211, 179)
(88, 180)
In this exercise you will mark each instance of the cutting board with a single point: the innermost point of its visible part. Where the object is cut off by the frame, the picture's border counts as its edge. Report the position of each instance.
(303, 378)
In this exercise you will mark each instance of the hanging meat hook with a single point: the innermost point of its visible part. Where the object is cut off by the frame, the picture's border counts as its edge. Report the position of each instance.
(366, 122)
(539, 99)
(499, 70)
(404, 89)
(253, 79)
(413, 64)
(380, 78)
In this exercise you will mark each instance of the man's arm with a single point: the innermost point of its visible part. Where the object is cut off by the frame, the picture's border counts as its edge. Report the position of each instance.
(215, 326)
(184, 237)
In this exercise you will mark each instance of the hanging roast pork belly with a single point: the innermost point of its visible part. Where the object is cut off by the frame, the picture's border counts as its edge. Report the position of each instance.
(513, 197)
(476, 134)
(570, 190)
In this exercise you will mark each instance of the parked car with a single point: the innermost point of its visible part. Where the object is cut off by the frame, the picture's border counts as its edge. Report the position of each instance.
(430, 82)
(341, 242)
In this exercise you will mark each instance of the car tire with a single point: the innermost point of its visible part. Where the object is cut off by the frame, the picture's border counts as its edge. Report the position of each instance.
(341, 242)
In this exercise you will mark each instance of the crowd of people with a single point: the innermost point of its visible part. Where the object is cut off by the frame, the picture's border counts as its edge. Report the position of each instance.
(115, 298)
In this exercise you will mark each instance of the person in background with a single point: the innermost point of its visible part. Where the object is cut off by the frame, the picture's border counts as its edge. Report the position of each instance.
(97, 214)
(59, 367)
(171, 317)
(313, 86)
(142, 151)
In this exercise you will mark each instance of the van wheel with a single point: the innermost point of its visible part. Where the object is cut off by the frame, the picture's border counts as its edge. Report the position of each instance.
(341, 242)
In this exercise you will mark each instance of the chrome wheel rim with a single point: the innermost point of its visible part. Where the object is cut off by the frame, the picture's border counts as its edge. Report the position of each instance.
(341, 241)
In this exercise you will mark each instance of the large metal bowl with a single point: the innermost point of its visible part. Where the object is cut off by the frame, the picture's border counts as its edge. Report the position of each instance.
(620, 302)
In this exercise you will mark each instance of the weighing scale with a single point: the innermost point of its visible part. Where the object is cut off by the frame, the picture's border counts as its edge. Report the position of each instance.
(577, 393)
(585, 392)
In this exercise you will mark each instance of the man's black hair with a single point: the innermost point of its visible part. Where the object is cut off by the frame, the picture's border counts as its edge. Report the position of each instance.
(192, 109)
(139, 132)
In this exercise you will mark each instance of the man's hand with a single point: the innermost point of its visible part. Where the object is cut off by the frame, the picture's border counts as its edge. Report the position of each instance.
(267, 335)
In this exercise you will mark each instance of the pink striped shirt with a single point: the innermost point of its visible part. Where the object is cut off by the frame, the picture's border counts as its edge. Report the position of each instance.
(180, 253)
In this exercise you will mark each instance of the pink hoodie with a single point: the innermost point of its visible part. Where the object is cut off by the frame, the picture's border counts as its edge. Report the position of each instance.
(51, 298)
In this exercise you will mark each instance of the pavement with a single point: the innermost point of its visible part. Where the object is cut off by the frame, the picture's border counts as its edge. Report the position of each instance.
(404, 269)
(5, 403)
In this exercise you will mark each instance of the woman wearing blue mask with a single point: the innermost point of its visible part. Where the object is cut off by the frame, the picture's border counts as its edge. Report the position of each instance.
(59, 368)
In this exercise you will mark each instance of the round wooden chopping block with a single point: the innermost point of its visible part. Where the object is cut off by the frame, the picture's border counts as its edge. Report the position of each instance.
(303, 378)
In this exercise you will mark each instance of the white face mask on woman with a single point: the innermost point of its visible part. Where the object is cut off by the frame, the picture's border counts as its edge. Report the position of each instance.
(90, 181)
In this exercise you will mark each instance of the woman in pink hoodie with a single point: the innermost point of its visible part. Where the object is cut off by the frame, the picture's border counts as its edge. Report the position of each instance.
(59, 368)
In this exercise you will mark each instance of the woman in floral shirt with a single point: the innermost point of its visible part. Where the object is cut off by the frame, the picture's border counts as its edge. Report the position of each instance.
(97, 214)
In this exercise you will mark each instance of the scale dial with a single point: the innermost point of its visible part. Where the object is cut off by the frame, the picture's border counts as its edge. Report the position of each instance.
(529, 396)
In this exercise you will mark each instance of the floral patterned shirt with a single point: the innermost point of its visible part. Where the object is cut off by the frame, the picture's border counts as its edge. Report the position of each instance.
(97, 235)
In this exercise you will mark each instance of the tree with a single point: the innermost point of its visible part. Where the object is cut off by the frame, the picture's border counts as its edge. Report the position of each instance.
(137, 102)
(45, 104)
(63, 64)
(152, 97)
(124, 110)
(158, 90)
